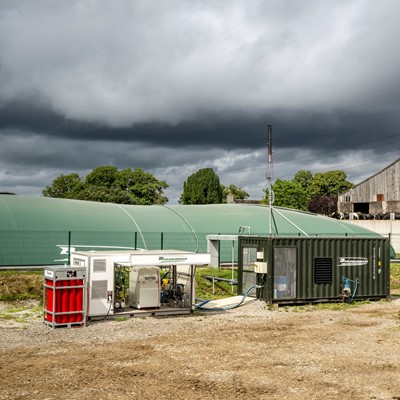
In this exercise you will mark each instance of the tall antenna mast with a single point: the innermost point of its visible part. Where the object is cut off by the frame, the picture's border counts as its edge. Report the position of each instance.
(269, 176)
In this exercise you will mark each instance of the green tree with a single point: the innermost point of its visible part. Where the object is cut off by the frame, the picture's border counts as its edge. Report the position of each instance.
(303, 177)
(142, 186)
(108, 184)
(103, 176)
(329, 183)
(202, 187)
(64, 186)
(105, 195)
(315, 193)
(289, 194)
(238, 193)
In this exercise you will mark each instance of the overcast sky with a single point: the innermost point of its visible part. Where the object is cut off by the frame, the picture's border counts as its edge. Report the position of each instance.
(172, 86)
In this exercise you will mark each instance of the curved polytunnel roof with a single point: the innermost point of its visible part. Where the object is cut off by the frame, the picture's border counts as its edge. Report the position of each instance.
(37, 230)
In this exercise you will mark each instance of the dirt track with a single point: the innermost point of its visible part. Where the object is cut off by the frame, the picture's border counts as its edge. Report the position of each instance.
(250, 352)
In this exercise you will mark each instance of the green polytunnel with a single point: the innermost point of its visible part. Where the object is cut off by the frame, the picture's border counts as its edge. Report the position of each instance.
(40, 230)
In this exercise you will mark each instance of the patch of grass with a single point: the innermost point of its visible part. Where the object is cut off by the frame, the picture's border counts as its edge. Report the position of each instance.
(334, 306)
(6, 316)
(121, 319)
(341, 305)
(15, 310)
(10, 297)
(301, 308)
(12, 272)
(21, 285)
(204, 287)
(395, 276)
(20, 320)
(21, 314)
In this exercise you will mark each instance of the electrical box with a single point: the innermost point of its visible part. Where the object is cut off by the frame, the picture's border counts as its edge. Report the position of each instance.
(144, 287)
(260, 267)
(260, 255)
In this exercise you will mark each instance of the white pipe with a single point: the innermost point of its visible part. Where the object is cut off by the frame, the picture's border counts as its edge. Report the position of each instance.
(290, 222)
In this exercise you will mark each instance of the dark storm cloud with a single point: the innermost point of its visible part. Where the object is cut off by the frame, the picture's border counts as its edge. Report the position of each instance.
(174, 85)
(338, 129)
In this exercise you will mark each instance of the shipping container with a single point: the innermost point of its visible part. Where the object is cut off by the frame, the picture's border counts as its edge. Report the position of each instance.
(314, 269)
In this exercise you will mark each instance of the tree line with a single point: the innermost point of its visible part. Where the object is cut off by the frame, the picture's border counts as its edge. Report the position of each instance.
(306, 191)
(316, 193)
(108, 184)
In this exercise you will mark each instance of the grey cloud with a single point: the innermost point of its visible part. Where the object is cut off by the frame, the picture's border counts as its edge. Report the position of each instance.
(132, 63)
(173, 86)
(337, 129)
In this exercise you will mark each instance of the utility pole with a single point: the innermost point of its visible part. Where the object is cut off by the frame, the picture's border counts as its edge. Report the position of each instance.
(269, 175)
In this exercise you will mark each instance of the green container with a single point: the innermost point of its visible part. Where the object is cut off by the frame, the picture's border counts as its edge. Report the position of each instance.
(313, 269)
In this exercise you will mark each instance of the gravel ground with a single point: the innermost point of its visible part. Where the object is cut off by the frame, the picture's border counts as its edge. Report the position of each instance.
(252, 351)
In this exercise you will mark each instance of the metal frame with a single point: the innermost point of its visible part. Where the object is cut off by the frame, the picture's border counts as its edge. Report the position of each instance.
(57, 274)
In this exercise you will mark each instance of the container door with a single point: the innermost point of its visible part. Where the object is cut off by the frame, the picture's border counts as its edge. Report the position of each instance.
(285, 266)
(101, 287)
(249, 278)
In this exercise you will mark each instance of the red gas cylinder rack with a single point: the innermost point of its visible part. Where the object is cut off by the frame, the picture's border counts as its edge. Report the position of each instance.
(64, 296)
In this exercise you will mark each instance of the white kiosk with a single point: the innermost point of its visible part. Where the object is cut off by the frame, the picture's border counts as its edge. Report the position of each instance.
(140, 282)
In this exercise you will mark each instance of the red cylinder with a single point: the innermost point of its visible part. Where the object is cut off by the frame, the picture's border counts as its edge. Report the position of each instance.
(79, 300)
(58, 301)
(65, 302)
(72, 301)
(49, 300)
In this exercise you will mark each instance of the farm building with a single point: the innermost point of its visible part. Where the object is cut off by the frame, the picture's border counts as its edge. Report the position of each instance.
(375, 203)
(38, 231)
(376, 195)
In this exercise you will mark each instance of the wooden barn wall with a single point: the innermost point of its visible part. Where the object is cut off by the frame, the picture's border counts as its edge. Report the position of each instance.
(386, 183)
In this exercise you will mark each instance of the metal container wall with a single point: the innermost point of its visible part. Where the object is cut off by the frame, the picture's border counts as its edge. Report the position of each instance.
(363, 262)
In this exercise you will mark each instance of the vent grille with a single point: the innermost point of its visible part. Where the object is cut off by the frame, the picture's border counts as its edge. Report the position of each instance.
(323, 270)
(99, 266)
